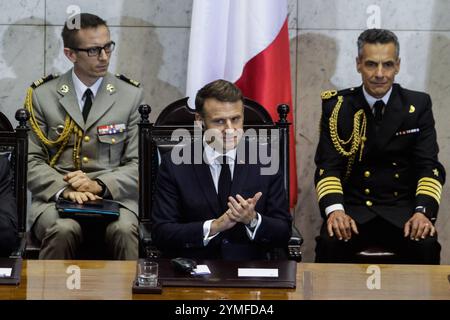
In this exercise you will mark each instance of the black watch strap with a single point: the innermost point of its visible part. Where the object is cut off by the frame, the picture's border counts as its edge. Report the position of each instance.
(425, 212)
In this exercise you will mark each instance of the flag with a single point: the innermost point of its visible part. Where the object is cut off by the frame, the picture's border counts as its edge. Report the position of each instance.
(245, 42)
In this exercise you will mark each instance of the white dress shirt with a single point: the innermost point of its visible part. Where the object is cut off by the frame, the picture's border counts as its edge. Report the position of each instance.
(213, 158)
(80, 88)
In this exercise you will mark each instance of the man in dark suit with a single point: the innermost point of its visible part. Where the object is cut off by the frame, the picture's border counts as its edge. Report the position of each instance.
(221, 207)
(378, 178)
(8, 210)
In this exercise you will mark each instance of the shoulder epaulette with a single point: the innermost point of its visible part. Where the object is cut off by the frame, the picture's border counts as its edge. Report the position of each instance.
(328, 94)
(130, 81)
(325, 95)
(43, 80)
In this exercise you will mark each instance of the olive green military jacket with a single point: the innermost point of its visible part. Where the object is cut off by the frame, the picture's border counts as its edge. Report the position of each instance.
(109, 143)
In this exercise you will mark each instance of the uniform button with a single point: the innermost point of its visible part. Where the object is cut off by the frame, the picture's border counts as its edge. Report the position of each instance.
(395, 193)
(113, 140)
(87, 139)
(59, 129)
(394, 164)
(225, 241)
(369, 203)
(85, 159)
(367, 174)
(367, 191)
(396, 176)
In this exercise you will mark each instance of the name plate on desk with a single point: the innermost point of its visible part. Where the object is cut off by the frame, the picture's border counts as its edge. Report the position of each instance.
(275, 274)
(11, 268)
(257, 272)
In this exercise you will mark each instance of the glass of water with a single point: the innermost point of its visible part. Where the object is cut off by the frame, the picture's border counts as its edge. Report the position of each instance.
(147, 273)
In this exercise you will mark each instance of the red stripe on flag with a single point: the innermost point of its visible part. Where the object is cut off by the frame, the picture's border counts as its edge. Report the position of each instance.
(266, 78)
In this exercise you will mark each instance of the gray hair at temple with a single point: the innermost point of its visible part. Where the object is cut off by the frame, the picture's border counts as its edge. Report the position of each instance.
(374, 36)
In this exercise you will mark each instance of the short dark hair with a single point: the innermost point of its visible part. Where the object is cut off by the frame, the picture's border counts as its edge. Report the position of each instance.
(87, 20)
(221, 90)
(374, 36)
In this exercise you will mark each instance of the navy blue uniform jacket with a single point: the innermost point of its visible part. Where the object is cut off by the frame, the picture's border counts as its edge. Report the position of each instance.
(399, 168)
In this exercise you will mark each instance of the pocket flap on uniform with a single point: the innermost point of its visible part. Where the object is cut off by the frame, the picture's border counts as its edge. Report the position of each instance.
(112, 138)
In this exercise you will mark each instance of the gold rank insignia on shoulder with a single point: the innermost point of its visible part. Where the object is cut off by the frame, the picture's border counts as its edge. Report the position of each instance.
(110, 88)
(130, 81)
(436, 172)
(43, 80)
(412, 109)
(328, 94)
(321, 171)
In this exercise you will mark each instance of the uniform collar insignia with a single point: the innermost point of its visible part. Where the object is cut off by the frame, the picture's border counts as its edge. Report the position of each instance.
(64, 88)
(110, 88)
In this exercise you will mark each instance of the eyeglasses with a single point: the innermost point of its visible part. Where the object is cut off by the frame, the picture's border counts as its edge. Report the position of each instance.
(96, 51)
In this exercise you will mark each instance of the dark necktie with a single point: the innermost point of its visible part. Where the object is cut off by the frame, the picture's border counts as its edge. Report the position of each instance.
(378, 107)
(224, 185)
(87, 103)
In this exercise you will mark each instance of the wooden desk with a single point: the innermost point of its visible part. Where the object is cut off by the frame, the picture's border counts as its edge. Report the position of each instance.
(113, 279)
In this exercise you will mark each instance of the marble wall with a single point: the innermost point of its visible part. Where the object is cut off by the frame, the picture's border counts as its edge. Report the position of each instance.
(152, 46)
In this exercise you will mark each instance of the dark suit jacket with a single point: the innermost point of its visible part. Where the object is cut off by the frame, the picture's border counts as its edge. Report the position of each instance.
(399, 169)
(8, 211)
(185, 198)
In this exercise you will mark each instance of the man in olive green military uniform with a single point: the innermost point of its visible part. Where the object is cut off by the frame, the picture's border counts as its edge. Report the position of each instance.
(84, 144)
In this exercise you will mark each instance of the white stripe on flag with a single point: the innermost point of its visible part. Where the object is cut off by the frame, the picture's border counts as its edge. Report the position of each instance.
(226, 34)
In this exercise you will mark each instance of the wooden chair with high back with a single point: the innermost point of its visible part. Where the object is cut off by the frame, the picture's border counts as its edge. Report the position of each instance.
(14, 143)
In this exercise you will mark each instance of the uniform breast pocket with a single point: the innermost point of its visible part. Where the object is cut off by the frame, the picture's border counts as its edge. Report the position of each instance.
(111, 148)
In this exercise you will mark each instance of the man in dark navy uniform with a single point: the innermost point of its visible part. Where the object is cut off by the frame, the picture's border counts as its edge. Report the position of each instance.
(378, 178)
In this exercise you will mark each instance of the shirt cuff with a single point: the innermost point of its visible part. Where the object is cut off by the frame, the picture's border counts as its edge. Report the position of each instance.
(252, 232)
(333, 207)
(206, 231)
(59, 193)
(105, 191)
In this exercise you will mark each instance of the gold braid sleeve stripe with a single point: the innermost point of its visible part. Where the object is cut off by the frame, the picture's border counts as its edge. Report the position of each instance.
(431, 194)
(325, 190)
(328, 192)
(431, 181)
(428, 190)
(327, 179)
(431, 187)
(328, 186)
